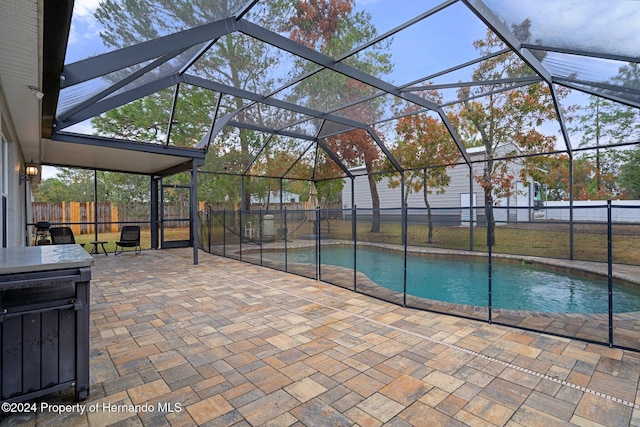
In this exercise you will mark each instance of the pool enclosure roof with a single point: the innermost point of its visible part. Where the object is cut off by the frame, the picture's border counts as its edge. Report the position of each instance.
(309, 89)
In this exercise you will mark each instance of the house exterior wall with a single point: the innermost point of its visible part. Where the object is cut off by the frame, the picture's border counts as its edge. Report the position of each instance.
(13, 206)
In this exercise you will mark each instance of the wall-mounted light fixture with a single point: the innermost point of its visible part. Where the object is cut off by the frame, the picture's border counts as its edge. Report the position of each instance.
(31, 170)
(35, 91)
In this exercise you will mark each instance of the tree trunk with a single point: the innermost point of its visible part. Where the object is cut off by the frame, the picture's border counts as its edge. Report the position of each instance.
(375, 200)
(488, 209)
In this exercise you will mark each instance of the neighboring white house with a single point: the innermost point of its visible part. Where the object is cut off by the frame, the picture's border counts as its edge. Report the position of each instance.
(452, 205)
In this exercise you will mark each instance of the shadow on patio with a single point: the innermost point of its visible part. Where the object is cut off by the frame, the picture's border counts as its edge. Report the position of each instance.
(229, 343)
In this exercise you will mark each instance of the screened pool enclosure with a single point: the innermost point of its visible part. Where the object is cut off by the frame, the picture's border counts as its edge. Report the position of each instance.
(462, 128)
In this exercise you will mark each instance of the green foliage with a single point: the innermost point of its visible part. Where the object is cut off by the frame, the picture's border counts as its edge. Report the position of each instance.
(69, 185)
(630, 175)
(52, 190)
(77, 185)
(503, 115)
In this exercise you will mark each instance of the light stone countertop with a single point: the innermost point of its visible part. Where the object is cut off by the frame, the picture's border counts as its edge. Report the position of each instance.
(42, 258)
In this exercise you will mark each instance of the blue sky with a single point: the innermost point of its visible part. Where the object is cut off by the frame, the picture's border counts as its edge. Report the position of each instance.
(445, 39)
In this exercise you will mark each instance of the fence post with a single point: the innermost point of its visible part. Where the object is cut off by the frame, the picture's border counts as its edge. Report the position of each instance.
(64, 213)
(241, 219)
(405, 219)
(354, 225)
(261, 227)
(115, 218)
(489, 245)
(286, 233)
(209, 229)
(610, 270)
(317, 231)
(74, 208)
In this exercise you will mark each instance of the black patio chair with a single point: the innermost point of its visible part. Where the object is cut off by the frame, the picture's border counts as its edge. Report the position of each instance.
(62, 236)
(129, 238)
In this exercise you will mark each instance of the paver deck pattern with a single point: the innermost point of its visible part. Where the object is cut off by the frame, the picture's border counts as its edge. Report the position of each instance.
(227, 343)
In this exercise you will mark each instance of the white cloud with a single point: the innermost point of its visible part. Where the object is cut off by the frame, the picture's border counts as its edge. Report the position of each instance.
(85, 7)
(609, 27)
(84, 37)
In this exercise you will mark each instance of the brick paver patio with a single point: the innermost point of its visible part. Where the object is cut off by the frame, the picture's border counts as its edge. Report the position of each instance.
(228, 343)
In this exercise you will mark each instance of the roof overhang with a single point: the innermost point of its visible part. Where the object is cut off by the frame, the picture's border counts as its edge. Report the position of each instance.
(76, 150)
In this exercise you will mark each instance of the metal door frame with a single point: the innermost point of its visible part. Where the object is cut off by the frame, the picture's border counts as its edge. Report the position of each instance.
(166, 244)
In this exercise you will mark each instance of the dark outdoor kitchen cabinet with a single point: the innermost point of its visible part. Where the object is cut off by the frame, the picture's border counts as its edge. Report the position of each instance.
(44, 321)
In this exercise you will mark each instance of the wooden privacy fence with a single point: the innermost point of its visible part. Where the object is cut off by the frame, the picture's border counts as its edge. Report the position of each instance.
(80, 216)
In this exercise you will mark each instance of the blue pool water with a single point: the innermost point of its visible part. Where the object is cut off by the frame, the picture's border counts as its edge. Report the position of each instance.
(515, 286)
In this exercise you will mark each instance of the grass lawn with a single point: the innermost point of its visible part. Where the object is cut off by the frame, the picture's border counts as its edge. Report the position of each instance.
(550, 240)
(145, 238)
(536, 239)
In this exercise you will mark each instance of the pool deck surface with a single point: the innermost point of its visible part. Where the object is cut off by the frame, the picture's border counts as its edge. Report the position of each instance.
(227, 343)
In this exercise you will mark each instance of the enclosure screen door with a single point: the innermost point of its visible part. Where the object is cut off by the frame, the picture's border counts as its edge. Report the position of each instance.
(175, 227)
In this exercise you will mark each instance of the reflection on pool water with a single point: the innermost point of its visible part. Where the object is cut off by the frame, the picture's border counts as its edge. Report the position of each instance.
(465, 281)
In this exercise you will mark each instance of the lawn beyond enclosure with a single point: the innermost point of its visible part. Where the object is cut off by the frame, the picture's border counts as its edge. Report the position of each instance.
(550, 240)
(145, 238)
(544, 240)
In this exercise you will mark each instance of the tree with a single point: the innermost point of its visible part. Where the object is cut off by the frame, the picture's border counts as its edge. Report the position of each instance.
(52, 190)
(234, 59)
(333, 28)
(424, 147)
(501, 115)
(553, 173)
(601, 123)
(630, 175)
(78, 182)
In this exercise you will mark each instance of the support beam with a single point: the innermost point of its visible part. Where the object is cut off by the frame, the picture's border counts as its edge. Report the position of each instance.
(497, 26)
(606, 93)
(194, 210)
(241, 93)
(106, 63)
(155, 205)
(561, 121)
(115, 87)
(116, 101)
(589, 54)
(325, 61)
(186, 152)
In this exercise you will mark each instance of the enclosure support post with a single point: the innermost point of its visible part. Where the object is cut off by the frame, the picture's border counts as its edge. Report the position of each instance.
(571, 254)
(154, 211)
(209, 229)
(316, 230)
(224, 232)
(286, 268)
(280, 193)
(353, 231)
(405, 219)
(240, 216)
(161, 211)
(261, 227)
(195, 229)
(471, 207)
(489, 245)
(95, 203)
(610, 270)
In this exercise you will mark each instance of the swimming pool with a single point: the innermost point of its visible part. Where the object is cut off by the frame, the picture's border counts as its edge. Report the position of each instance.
(465, 281)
